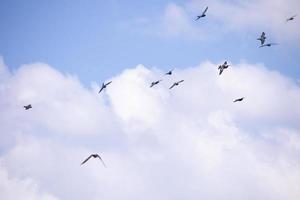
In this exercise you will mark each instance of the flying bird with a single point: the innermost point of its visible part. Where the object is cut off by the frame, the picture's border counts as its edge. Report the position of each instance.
(222, 67)
(203, 14)
(291, 18)
(175, 84)
(240, 99)
(155, 82)
(27, 107)
(94, 156)
(262, 38)
(268, 45)
(104, 86)
(169, 72)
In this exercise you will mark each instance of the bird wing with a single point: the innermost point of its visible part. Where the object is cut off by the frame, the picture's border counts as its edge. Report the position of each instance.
(86, 160)
(198, 17)
(101, 89)
(180, 81)
(101, 160)
(221, 70)
(205, 11)
(172, 86)
(108, 83)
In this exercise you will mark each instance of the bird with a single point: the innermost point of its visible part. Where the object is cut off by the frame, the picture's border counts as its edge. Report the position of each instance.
(27, 107)
(175, 84)
(268, 45)
(203, 14)
(262, 38)
(291, 18)
(94, 156)
(155, 82)
(169, 72)
(240, 99)
(104, 86)
(222, 67)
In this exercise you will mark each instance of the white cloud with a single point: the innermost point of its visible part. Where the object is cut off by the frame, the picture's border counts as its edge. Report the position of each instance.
(258, 15)
(184, 143)
(231, 16)
(15, 189)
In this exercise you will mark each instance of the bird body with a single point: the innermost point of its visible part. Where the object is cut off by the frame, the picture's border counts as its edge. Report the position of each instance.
(262, 38)
(104, 85)
(291, 18)
(240, 99)
(27, 107)
(169, 72)
(203, 14)
(94, 156)
(155, 83)
(175, 84)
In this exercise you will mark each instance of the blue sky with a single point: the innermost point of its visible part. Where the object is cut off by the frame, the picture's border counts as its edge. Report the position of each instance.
(97, 39)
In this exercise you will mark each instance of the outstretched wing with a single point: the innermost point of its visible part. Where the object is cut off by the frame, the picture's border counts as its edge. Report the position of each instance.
(86, 160)
(101, 89)
(205, 11)
(221, 70)
(108, 83)
(172, 86)
(101, 160)
(180, 81)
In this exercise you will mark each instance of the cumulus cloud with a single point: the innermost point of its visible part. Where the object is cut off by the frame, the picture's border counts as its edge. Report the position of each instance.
(191, 142)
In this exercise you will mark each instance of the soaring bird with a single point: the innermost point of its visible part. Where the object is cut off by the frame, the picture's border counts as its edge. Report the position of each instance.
(155, 82)
(262, 38)
(27, 107)
(222, 67)
(240, 99)
(268, 45)
(94, 156)
(104, 86)
(169, 72)
(175, 84)
(291, 18)
(203, 14)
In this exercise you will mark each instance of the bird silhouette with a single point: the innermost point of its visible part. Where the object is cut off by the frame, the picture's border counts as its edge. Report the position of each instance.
(291, 18)
(175, 84)
(268, 45)
(240, 99)
(203, 14)
(94, 156)
(169, 72)
(104, 86)
(27, 107)
(222, 67)
(262, 38)
(155, 82)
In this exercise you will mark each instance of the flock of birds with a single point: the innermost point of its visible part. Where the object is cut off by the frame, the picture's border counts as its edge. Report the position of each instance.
(221, 68)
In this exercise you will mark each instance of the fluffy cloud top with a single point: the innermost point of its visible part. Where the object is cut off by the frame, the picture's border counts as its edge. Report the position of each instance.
(191, 142)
